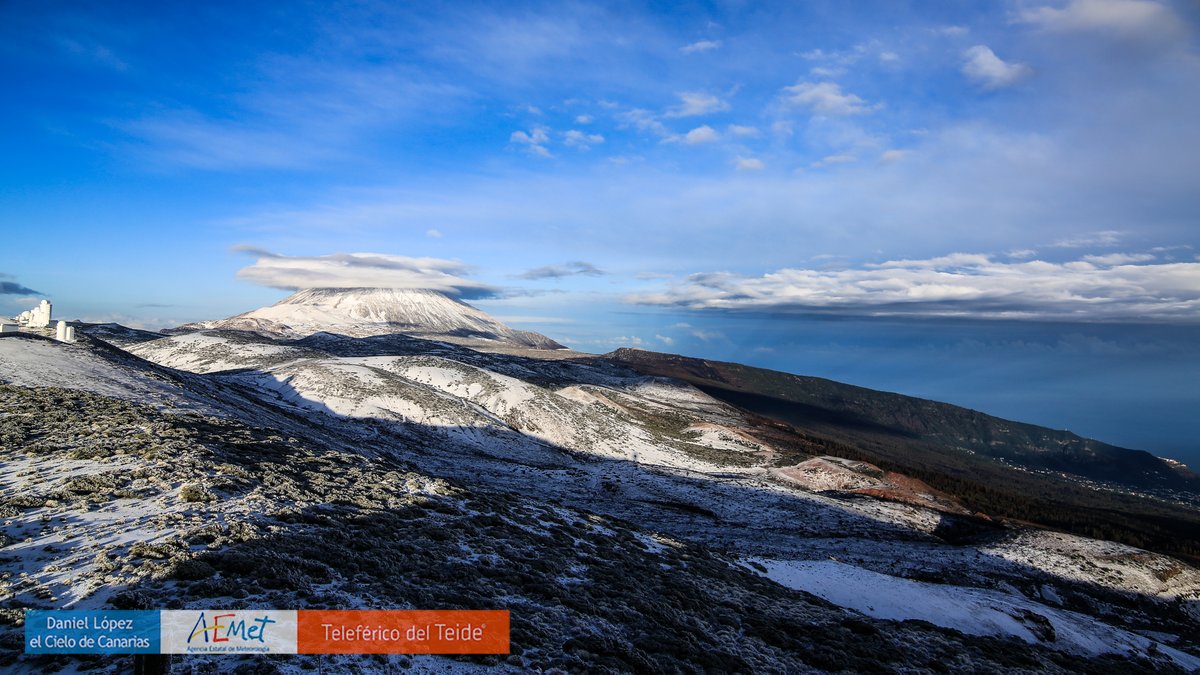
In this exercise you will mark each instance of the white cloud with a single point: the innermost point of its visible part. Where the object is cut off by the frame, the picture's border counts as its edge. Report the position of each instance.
(584, 119)
(888, 57)
(701, 46)
(1021, 253)
(694, 104)
(623, 160)
(1118, 259)
(574, 268)
(749, 164)
(893, 155)
(1112, 288)
(360, 270)
(838, 61)
(953, 31)
(703, 134)
(535, 140)
(578, 139)
(990, 71)
(433, 232)
(743, 131)
(642, 120)
(668, 341)
(952, 261)
(825, 98)
(827, 72)
(707, 335)
(536, 135)
(621, 341)
(831, 160)
(1139, 19)
(1102, 238)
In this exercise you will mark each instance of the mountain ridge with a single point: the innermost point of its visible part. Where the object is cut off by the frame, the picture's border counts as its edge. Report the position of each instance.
(825, 402)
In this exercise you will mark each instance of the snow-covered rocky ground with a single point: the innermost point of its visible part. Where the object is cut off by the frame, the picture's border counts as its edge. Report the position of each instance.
(973, 611)
(519, 451)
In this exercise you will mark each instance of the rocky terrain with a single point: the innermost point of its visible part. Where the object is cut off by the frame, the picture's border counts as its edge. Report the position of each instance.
(630, 522)
(824, 404)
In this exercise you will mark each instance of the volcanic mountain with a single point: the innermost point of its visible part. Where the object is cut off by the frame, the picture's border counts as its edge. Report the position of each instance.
(364, 312)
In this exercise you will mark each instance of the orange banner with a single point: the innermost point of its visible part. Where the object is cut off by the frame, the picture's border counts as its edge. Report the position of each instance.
(402, 631)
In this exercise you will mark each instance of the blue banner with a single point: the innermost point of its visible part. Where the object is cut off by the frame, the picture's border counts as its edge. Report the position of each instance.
(91, 632)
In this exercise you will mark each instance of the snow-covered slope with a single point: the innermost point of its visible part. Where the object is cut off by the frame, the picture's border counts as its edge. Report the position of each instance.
(569, 454)
(969, 610)
(32, 361)
(206, 352)
(521, 407)
(835, 473)
(376, 311)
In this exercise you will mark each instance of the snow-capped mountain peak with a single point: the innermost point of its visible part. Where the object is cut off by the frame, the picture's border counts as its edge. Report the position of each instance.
(363, 312)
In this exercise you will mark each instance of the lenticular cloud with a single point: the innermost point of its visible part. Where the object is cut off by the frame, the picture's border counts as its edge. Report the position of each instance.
(361, 270)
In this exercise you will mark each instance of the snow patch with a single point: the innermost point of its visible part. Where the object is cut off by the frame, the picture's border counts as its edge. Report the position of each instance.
(973, 611)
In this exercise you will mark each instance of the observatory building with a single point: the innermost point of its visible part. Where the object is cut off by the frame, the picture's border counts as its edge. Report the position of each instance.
(38, 317)
(64, 332)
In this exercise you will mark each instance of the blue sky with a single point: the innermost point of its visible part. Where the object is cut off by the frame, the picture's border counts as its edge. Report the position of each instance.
(994, 204)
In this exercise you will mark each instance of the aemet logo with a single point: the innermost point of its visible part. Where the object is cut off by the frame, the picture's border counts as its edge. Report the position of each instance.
(267, 631)
(229, 631)
(245, 629)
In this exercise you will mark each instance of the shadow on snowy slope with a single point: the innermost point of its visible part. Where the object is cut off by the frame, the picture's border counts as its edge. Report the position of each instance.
(583, 588)
(765, 524)
(587, 592)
